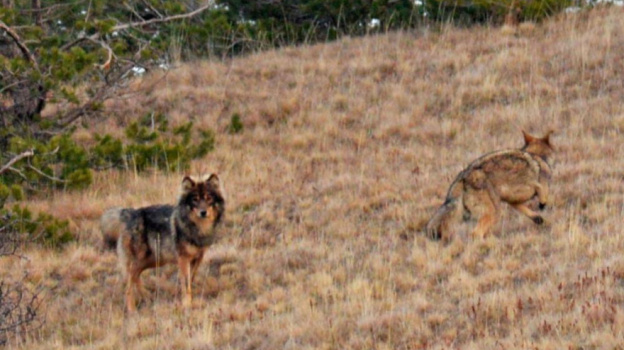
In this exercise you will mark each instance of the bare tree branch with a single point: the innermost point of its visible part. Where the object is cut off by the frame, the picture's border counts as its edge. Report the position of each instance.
(132, 10)
(23, 106)
(145, 23)
(36, 5)
(106, 64)
(15, 159)
(19, 308)
(71, 44)
(18, 172)
(99, 96)
(161, 20)
(49, 8)
(80, 111)
(27, 54)
(116, 70)
(46, 175)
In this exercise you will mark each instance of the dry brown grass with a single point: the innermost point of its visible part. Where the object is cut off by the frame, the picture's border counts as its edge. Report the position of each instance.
(347, 149)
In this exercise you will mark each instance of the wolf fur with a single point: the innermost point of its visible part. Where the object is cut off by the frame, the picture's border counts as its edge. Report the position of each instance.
(168, 234)
(510, 176)
(111, 225)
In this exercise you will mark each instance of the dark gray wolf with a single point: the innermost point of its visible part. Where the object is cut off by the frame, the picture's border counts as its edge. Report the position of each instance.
(165, 234)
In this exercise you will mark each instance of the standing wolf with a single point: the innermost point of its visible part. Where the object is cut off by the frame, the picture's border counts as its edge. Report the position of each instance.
(511, 176)
(165, 234)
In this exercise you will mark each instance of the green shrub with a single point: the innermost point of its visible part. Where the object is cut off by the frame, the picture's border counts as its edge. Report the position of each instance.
(44, 229)
(151, 143)
(236, 126)
(465, 12)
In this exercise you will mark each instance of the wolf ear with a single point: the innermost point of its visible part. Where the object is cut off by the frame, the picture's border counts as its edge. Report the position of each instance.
(546, 137)
(213, 180)
(527, 138)
(187, 184)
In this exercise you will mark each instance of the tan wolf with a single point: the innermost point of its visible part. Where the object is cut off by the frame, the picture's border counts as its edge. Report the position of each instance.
(166, 234)
(511, 176)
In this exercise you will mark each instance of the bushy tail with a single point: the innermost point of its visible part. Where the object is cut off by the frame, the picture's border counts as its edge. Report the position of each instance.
(111, 225)
(437, 225)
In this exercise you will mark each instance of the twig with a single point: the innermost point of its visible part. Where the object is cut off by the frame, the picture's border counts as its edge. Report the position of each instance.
(136, 14)
(88, 12)
(15, 159)
(106, 64)
(49, 8)
(149, 6)
(46, 175)
(12, 85)
(74, 43)
(21, 174)
(101, 95)
(20, 44)
(161, 20)
(123, 26)
(144, 23)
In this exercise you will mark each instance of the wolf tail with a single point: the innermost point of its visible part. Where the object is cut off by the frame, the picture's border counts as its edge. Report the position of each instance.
(111, 224)
(437, 224)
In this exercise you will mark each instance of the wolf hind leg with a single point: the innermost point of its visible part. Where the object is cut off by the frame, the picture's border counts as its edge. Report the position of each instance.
(133, 281)
(129, 270)
(484, 225)
(528, 212)
(485, 202)
(438, 226)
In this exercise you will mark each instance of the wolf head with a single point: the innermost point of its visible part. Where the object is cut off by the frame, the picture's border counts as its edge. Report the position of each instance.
(539, 146)
(203, 200)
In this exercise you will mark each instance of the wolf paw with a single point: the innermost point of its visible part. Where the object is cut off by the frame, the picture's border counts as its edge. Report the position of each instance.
(542, 206)
(435, 235)
(538, 220)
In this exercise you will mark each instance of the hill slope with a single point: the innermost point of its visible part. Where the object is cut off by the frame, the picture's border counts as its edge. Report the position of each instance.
(346, 150)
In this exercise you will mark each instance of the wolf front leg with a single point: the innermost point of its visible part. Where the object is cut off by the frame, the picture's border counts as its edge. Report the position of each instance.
(184, 264)
(195, 265)
(541, 189)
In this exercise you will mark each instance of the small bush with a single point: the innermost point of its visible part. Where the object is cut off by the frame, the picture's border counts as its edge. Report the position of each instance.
(466, 12)
(44, 229)
(236, 125)
(151, 143)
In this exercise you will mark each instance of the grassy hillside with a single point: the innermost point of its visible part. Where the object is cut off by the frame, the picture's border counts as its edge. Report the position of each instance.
(346, 151)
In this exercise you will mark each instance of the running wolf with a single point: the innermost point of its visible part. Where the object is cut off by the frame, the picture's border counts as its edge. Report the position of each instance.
(166, 234)
(511, 176)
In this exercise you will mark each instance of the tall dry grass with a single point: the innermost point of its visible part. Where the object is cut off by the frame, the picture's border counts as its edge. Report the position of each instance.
(347, 149)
